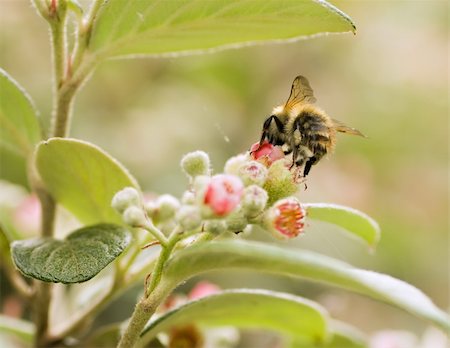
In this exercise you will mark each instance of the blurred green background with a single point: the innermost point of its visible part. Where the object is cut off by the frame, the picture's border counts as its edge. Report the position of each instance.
(390, 81)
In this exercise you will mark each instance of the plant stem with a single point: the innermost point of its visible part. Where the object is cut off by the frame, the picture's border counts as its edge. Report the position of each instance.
(42, 8)
(64, 91)
(142, 312)
(40, 312)
(84, 35)
(57, 19)
(155, 232)
(63, 111)
(163, 257)
(154, 294)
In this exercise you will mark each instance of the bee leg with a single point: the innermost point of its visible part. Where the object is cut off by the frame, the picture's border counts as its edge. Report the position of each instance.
(266, 127)
(294, 156)
(309, 163)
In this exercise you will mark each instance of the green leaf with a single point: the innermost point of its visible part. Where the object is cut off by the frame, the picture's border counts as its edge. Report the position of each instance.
(341, 336)
(345, 336)
(83, 178)
(135, 27)
(351, 220)
(17, 327)
(267, 258)
(285, 313)
(19, 130)
(80, 257)
(106, 336)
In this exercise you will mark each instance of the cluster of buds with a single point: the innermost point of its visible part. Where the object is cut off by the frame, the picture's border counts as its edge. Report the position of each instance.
(253, 189)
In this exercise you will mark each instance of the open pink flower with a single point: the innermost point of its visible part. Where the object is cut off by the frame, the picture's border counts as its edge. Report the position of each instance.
(223, 193)
(266, 153)
(286, 218)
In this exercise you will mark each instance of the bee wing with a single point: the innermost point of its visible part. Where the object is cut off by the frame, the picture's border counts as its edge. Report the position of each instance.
(340, 127)
(301, 92)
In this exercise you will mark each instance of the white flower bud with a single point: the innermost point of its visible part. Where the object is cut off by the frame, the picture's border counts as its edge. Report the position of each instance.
(151, 208)
(236, 222)
(166, 206)
(254, 200)
(134, 216)
(196, 163)
(200, 184)
(189, 217)
(234, 163)
(253, 173)
(188, 197)
(215, 226)
(125, 198)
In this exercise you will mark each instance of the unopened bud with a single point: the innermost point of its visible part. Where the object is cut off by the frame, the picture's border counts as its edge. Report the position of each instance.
(188, 197)
(280, 182)
(201, 183)
(234, 163)
(151, 209)
(196, 163)
(236, 222)
(253, 172)
(189, 217)
(166, 206)
(286, 218)
(223, 194)
(125, 198)
(254, 200)
(134, 216)
(215, 226)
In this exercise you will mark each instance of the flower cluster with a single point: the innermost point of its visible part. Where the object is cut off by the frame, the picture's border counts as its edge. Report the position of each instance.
(255, 188)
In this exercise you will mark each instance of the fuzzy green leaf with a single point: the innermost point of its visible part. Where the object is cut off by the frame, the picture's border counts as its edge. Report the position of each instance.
(288, 314)
(351, 220)
(82, 255)
(134, 27)
(266, 258)
(19, 130)
(345, 336)
(342, 335)
(83, 178)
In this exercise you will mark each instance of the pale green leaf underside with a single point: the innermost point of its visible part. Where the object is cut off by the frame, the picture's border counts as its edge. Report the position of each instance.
(83, 178)
(266, 258)
(342, 335)
(19, 129)
(285, 313)
(155, 27)
(81, 256)
(353, 221)
(17, 327)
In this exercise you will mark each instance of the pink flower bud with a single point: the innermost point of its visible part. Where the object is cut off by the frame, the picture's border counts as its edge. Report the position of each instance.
(27, 216)
(286, 218)
(266, 153)
(203, 289)
(223, 193)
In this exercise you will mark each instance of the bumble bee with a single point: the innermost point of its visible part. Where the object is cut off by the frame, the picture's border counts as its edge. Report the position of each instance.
(302, 128)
